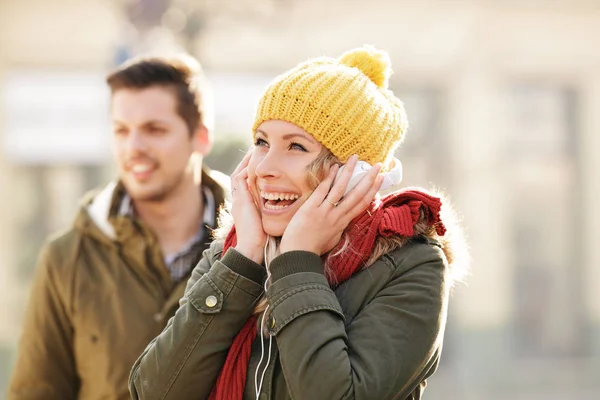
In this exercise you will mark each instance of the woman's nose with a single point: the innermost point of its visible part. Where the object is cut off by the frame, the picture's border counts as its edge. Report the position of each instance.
(269, 165)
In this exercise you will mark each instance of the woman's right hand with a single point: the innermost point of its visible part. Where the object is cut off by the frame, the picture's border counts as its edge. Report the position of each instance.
(248, 224)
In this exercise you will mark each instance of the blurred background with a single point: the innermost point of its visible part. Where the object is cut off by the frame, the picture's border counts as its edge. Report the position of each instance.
(503, 98)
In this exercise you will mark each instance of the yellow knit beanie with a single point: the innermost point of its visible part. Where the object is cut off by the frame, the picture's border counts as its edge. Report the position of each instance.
(344, 103)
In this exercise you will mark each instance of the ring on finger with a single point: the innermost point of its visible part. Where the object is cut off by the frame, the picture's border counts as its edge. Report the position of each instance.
(332, 203)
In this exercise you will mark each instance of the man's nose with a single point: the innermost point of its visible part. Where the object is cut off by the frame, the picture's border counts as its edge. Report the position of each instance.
(136, 140)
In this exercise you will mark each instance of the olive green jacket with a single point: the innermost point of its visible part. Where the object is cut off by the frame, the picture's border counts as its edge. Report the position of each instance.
(101, 293)
(376, 336)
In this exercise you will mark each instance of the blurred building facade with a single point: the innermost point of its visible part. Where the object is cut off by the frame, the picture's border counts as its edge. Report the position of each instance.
(503, 100)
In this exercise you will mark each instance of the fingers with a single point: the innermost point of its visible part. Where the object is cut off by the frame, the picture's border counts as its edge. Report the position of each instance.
(244, 163)
(364, 202)
(341, 183)
(237, 180)
(356, 199)
(240, 181)
(241, 193)
(361, 196)
(319, 194)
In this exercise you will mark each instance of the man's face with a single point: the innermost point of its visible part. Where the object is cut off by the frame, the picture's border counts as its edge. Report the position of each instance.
(152, 143)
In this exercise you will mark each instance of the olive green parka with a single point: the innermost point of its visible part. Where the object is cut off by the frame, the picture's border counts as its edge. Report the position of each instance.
(377, 335)
(101, 293)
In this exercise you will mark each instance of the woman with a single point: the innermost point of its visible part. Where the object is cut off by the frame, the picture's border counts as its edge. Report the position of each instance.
(322, 288)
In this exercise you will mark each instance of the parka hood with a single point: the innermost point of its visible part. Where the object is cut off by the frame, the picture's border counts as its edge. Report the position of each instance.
(92, 218)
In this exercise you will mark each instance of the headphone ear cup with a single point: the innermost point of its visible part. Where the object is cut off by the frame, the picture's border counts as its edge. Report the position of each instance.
(392, 178)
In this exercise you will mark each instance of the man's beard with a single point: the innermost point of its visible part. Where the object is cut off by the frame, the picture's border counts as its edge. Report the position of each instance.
(158, 195)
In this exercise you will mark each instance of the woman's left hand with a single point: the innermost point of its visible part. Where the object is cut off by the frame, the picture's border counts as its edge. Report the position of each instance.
(319, 223)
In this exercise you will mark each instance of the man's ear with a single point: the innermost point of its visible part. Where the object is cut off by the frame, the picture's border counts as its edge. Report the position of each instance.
(203, 140)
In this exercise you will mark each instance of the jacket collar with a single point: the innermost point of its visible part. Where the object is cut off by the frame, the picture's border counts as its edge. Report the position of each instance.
(99, 208)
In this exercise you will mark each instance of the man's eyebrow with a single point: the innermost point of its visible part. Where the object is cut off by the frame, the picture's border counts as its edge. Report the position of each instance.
(156, 121)
(152, 121)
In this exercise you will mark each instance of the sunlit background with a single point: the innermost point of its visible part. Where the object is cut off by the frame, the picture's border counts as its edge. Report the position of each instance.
(503, 97)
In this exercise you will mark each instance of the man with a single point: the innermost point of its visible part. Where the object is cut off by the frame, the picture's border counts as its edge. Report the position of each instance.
(107, 286)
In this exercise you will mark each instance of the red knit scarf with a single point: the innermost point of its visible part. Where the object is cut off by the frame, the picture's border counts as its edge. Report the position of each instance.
(395, 214)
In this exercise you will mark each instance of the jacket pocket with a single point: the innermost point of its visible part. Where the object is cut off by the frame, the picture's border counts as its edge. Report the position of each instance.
(300, 300)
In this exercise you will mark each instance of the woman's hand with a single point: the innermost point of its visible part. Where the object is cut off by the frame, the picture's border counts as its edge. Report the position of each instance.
(248, 224)
(319, 223)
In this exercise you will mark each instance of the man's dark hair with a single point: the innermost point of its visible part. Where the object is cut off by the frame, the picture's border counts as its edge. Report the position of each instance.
(181, 73)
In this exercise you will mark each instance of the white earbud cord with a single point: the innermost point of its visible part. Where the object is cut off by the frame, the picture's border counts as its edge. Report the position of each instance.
(257, 385)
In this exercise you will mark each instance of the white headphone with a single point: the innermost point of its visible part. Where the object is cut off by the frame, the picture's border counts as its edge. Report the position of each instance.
(257, 384)
(392, 178)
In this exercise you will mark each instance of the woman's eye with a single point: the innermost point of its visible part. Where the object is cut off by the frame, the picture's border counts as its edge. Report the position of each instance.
(297, 146)
(260, 142)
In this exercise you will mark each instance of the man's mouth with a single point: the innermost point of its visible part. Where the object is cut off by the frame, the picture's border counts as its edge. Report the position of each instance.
(141, 171)
(140, 168)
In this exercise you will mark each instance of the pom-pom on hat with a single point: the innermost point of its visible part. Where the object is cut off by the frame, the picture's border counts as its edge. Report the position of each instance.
(344, 103)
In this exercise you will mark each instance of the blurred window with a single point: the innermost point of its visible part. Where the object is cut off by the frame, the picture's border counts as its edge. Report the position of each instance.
(424, 152)
(56, 134)
(55, 116)
(541, 157)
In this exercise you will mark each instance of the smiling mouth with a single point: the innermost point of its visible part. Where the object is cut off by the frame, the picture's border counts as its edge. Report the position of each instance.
(278, 201)
(140, 169)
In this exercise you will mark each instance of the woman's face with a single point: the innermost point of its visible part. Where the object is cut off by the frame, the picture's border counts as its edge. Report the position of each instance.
(277, 172)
